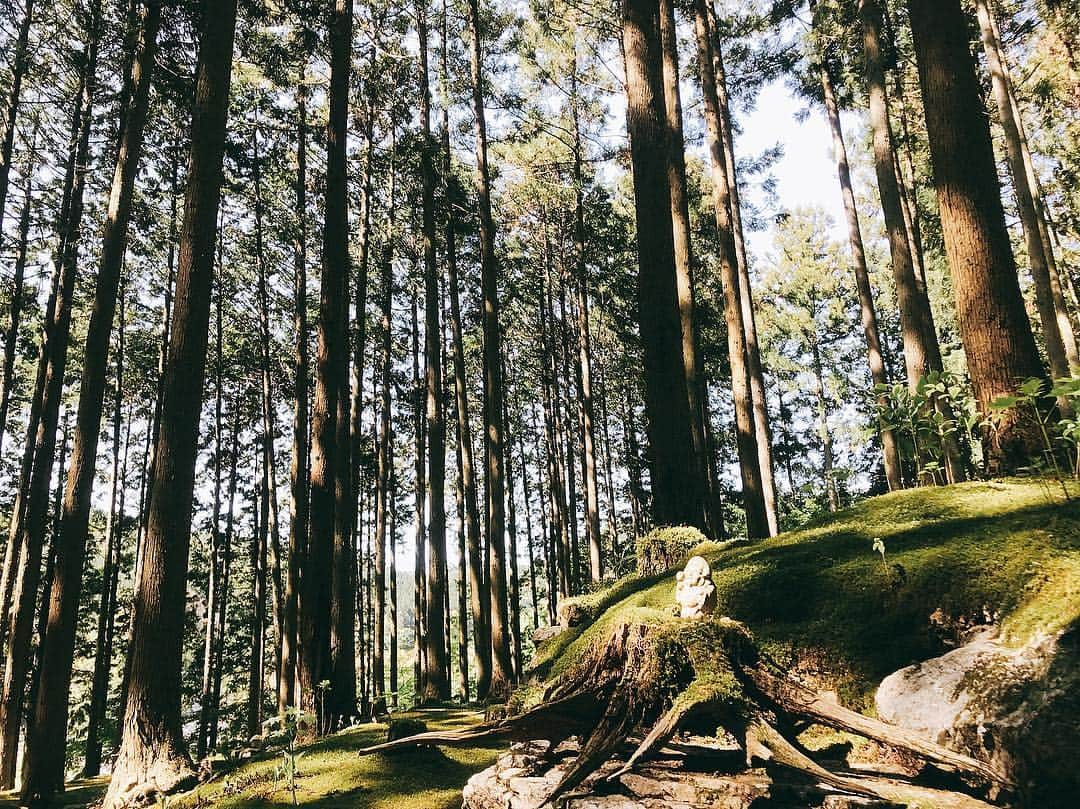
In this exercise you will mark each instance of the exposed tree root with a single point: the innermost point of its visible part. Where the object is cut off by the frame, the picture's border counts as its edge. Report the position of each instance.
(697, 675)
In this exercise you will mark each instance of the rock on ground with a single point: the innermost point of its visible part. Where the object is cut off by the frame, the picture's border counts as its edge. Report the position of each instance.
(1015, 708)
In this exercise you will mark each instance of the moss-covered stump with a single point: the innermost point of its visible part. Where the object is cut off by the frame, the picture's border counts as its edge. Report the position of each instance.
(653, 679)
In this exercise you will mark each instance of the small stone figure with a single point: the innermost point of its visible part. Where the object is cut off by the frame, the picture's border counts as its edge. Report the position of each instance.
(695, 591)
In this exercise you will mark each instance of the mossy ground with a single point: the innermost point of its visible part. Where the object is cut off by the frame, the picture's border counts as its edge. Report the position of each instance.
(333, 776)
(821, 599)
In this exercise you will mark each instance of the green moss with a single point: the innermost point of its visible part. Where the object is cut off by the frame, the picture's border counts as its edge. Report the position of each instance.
(821, 597)
(333, 776)
(664, 548)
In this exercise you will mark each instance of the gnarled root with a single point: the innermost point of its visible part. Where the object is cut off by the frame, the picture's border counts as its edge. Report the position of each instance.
(682, 675)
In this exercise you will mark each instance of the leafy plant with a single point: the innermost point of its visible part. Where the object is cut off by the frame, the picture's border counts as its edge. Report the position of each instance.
(1059, 428)
(935, 419)
(879, 547)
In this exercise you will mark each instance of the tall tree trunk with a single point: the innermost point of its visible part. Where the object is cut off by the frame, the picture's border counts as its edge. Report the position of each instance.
(437, 675)
(584, 344)
(467, 469)
(502, 676)
(11, 113)
(921, 352)
(868, 314)
(757, 519)
(213, 586)
(322, 604)
(1053, 315)
(513, 581)
(392, 602)
(257, 656)
(560, 531)
(356, 426)
(566, 435)
(383, 464)
(996, 334)
(298, 466)
(269, 419)
(153, 755)
(45, 759)
(336, 263)
(420, 537)
(31, 515)
(222, 603)
(18, 281)
(762, 428)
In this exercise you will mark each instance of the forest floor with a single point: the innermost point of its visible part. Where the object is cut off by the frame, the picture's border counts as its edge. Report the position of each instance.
(821, 601)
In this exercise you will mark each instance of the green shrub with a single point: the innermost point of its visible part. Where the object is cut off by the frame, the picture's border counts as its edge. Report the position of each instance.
(664, 548)
(403, 728)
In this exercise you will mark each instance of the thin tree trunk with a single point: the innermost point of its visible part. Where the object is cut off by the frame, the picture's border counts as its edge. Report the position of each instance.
(103, 650)
(213, 588)
(893, 469)
(921, 352)
(502, 676)
(257, 655)
(11, 113)
(298, 466)
(420, 481)
(994, 328)
(476, 578)
(762, 428)
(827, 457)
(383, 464)
(153, 754)
(32, 522)
(757, 520)
(11, 337)
(269, 426)
(392, 605)
(437, 674)
(222, 603)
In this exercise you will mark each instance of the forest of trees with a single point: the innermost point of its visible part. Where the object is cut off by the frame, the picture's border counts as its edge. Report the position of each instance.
(343, 338)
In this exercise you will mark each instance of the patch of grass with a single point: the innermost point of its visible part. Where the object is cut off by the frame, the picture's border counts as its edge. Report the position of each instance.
(823, 600)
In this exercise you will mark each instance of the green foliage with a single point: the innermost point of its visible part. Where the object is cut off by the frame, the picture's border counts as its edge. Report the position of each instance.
(664, 548)
(940, 412)
(1054, 409)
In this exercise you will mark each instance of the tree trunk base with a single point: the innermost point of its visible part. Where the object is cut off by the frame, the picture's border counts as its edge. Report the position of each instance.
(151, 764)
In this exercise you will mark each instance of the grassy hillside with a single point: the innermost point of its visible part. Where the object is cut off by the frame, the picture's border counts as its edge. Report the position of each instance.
(823, 600)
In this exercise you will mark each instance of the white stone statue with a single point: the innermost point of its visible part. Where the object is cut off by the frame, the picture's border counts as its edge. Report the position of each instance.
(695, 591)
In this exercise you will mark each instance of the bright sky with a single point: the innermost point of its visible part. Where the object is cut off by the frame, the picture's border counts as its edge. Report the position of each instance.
(806, 175)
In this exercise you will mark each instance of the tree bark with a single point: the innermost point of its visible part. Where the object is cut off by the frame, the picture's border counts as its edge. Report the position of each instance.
(502, 676)
(437, 675)
(213, 585)
(257, 649)
(1053, 315)
(757, 519)
(153, 757)
(996, 334)
(921, 352)
(18, 281)
(383, 468)
(103, 649)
